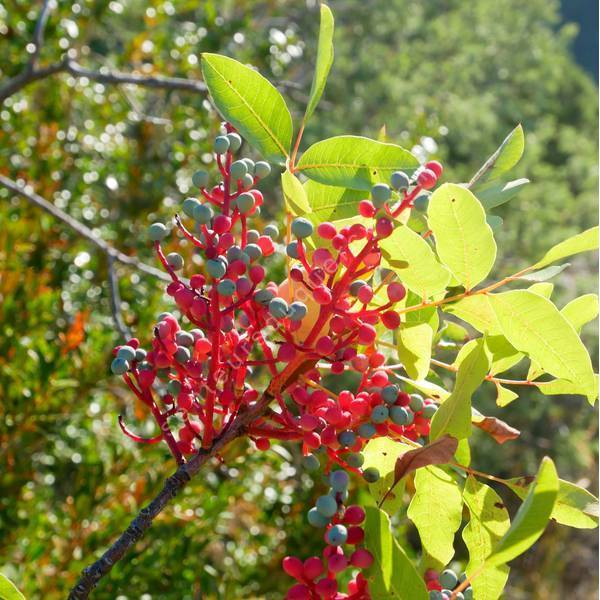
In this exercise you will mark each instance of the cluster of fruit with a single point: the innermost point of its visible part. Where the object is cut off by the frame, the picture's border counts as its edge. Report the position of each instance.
(441, 585)
(324, 318)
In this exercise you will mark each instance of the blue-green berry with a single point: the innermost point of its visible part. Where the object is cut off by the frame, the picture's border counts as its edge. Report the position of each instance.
(421, 202)
(264, 296)
(316, 519)
(272, 231)
(310, 462)
(327, 505)
(245, 202)
(380, 414)
(216, 268)
(278, 308)
(221, 144)
(460, 596)
(292, 250)
(347, 438)
(200, 179)
(119, 366)
(189, 204)
(234, 253)
(367, 430)
(436, 595)
(157, 232)
(399, 415)
(302, 228)
(416, 402)
(253, 251)
(183, 338)
(226, 287)
(252, 236)
(371, 475)
(400, 180)
(250, 164)
(175, 261)
(182, 354)
(337, 535)
(202, 213)
(126, 353)
(140, 354)
(390, 393)
(235, 142)
(297, 311)
(429, 410)
(339, 480)
(380, 194)
(468, 593)
(238, 169)
(448, 579)
(262, 169)
(247, 181)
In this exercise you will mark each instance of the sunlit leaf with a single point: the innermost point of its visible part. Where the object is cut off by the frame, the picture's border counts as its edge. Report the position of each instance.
(582, 242)
(294, 194)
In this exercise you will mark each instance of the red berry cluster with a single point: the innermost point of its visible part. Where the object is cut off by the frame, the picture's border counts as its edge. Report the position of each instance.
(200, 372)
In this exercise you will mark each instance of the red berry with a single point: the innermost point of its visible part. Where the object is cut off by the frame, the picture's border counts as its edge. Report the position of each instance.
(354, 515)
(313, 567)
(327, 230)
(361, 558)
(221, 223)
(292, 566)
(384, 227)
(263, 444)
(396, 292)
(427, 179)
(366, 209)
(391, 319)
(435, 166)
(322, 295)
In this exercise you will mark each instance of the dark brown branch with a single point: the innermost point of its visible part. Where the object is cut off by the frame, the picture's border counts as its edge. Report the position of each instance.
(14, 84)
(173, 485)
(84, 231)
(38, 34)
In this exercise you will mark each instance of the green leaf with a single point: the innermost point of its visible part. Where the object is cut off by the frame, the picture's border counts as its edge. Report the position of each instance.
(477, 311)
(382, 454)
(392, 574)
(561, 387)
(504, 354)
(354, 162)
(574, 507)
(454, 415)
(324, 60)
(498, 193)
(421, 272)
(8, 590)
(581, 310)
(489, 521)
(437, 493)
(505, 396)
(455, 332)
(294, 194)
(542, 288)
(504, 158)
(582, 242)
(531, 518)
(331, 203)
(251, 104)
(464, 240)
(532, 324)
(432, 390)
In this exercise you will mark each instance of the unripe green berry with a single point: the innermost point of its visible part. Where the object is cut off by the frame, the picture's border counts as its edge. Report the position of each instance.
(262, 169)
(226, 287)
(326, 505)
(429, 410)
(400, 180)
(183, 338)
(140, 354)
(263, 296)
(316, 519)
(253, 251)
(221, 144)
(188, 206)
(421, 202)
(182, 354)
(399, 415)
(337, 535)
(339, 480)
(174, 387)
(380, 193)
(245, 202)
(250, 165)
(448, 579)
(297, 311)
(278, 307)
(272, 231)
(310, 462)
(366, 430)
(416, 402)
(157, 232)
(216, 268)
(347, 438)
(126, 353)
(390, 393)
(371, 475)
(175, 261)
(380, 414)
(292, 250)
(252, 236)
(355, 459)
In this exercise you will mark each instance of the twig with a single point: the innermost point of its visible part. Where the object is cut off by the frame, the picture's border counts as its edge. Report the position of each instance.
(115, 299)
(173, 485)
(80, 228)
(38, 34)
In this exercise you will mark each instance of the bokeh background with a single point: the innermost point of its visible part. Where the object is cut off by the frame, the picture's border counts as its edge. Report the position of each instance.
(447, 78)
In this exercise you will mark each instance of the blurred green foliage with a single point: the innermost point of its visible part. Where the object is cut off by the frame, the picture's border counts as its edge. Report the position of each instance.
(446, 77)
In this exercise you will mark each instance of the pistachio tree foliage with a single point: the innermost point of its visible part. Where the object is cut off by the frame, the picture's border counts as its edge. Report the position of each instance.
(386, 264)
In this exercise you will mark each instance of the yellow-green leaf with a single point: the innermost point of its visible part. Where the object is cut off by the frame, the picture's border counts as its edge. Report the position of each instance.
(531, 518)
(331, 203)
(582, 242)
(464, 241)
(392, 574)
(411, 257)
(8, 590)
(581, 310)
(354, 162)
(437, 493)
(505, 396)
(324, 60)
(477, 311)
(251, 104)
(454, 415)
(532, 324)
(488, 522)
(414, 348)
(294, 194)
